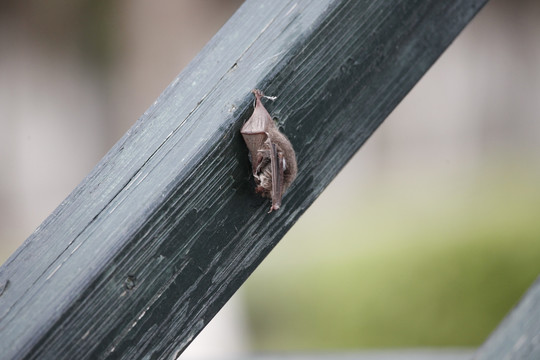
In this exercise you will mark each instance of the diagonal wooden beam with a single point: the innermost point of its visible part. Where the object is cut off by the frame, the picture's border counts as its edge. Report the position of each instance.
(518, 335)
(144, 252)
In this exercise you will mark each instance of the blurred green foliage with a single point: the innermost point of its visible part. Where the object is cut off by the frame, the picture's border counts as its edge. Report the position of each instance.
(437, 263)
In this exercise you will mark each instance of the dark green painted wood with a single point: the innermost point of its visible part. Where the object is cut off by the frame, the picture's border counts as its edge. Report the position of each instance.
(143, 253)
(518, 336)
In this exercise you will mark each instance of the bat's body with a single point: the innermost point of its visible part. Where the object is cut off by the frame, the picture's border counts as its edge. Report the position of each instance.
(272, 156)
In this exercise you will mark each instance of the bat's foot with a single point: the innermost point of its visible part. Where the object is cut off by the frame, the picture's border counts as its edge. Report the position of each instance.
(273, 208)
(258, 93)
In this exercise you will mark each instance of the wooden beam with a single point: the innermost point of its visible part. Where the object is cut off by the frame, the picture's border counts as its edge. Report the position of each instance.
(518, 335)
(144, 252)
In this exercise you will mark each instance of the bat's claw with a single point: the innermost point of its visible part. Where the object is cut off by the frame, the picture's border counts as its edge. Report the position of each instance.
(258, 93)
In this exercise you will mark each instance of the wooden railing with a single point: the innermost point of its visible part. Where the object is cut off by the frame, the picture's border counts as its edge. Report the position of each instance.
(145, 251)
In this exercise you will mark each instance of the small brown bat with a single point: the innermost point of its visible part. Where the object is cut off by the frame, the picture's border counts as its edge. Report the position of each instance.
(272, 156)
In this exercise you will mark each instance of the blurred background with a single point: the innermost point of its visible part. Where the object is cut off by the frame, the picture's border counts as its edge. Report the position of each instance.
(426, 239)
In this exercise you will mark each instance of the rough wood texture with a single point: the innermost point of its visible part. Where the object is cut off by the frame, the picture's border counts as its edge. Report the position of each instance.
(162, 232)
(518, 336)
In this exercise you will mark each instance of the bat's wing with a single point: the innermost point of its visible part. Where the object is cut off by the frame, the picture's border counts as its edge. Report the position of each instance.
(255, 134)
(256, 131)
(276, 160)
(254, 141)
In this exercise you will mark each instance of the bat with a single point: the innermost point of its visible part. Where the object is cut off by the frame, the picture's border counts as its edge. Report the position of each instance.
(272, 156)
